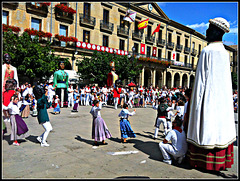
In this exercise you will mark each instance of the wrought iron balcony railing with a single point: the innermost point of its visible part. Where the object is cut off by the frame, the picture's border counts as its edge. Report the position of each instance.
(170, 45)
(106, 26)
(122, 30)
(161, 42)
(150, 39)
(194, 52)
(186, 50)
(137, 35)
(87, 20)
(179, 47)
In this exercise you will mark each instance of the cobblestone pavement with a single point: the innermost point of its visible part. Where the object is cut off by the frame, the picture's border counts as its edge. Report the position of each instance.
(72, 155)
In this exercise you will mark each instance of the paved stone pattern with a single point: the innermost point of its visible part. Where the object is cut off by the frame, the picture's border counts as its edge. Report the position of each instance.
(72, 155)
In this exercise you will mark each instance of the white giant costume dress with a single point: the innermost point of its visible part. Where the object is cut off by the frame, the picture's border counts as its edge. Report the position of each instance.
(211, 119)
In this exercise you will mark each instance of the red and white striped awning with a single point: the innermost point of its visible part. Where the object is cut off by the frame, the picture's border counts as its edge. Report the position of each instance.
(100, 48)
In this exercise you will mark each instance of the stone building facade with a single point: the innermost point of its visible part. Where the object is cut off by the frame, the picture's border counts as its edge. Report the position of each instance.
(101, 23)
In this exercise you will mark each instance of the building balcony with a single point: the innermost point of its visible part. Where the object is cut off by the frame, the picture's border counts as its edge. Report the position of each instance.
(10, 5)
(161, 42)
(106, 26)
(179, 47)
(122, 31)
(194, 52)
(150, 39)
(186, 50)
(170, 45)
(87, 21)
(64, 16)
(137, 35)
(37, 9)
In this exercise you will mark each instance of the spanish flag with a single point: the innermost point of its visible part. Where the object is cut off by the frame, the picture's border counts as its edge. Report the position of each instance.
(143, 24)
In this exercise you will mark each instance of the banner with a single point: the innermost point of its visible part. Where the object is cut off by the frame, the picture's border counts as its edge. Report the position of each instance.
(157, 29)
(142, 49)
(143, 24)
(130, 16)
(154, 51)
(173, 56)
(100, 48)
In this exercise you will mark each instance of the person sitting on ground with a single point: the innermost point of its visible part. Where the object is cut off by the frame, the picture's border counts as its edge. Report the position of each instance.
(178, 147)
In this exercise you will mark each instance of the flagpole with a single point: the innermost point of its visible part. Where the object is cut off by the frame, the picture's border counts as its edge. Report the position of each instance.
(128, 30)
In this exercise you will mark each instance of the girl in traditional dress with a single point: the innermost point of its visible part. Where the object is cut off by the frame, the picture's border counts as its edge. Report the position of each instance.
(125, 127)
(99, 128)
(25, 109)
(42, 105)
(75, 107)
(56, 105)
(19, 127)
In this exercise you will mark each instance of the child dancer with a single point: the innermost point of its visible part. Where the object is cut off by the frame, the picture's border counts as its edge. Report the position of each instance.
(125, 127)
(25, 109)
(99, 128)
(75, 107)
(56, 105)
(19, 127)
(43, 119)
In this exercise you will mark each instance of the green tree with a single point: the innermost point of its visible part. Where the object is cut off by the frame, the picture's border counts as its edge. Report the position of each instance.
(234, 80)
(29, 57)
(96, 67)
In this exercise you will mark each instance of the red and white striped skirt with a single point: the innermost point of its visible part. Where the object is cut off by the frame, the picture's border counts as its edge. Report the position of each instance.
(210, 159)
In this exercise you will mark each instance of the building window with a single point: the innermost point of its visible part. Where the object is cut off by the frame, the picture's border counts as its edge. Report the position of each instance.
(36, 24)
(105, 16)
(199, 49)
(178, 40)
(63, 31)
(169, 37)
(86, 36)
(185, 60)
(121, 44)
(105, 41)
(178, 57)
(5, 18)
(160, 34)
(186, 42)
(136, 46)
(87, 9)
(149, 31)
(148, 51)
(169, 55)
(193, 45)
(136, 26)
(160, 53)
(192, 62)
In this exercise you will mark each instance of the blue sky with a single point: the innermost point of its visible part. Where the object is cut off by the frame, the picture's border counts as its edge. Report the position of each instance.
(196, 15)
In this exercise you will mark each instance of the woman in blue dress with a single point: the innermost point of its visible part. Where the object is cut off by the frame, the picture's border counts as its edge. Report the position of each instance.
(125, 127)
(56, 105)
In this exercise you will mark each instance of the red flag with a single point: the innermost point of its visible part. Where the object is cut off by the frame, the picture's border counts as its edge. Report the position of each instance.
(154, 51)
(142, 48)
(157, 29)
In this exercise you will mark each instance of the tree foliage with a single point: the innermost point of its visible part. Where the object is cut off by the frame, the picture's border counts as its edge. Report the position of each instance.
(96, 67)
(29, 57)
(234, 80)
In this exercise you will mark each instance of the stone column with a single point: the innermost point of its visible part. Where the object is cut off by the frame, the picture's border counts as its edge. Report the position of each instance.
(188, 81)
(164, 77)
(142, 77)
(180, 74)
(172, 79)
(154, 78)
(151, 76)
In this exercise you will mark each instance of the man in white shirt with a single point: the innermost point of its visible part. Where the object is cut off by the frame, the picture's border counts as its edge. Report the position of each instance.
(30, 90)
(178, 147)
(24, 90)
(70, 95)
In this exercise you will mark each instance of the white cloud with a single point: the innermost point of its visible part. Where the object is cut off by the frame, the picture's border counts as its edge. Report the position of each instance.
(197, 25)
(234, 30)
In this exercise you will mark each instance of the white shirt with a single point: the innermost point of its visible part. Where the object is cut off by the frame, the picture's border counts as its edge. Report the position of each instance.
(181, 110)
(70, 91)
(104, 90)
(125, 113)
(51, 92)
(95, 111)
(25, 92)
(14, 109)
(178, 140)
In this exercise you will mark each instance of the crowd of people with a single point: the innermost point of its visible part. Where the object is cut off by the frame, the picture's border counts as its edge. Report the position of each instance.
(201, 109)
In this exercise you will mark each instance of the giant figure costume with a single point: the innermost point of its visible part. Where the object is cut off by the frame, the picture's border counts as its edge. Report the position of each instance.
(61, 80)
(112, 76)
(8, 71)
(211, 128)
